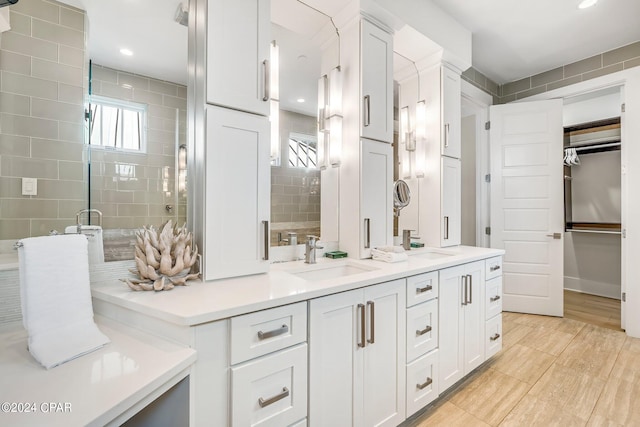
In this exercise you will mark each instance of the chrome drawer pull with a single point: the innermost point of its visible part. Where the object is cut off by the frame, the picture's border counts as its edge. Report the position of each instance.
(494, 268)
(266, 402)
(372, 321)
(424, 331)
(495, 337)
(270, 334)
(426, 384)
(425, 289)
(363, 341)
(494, 299)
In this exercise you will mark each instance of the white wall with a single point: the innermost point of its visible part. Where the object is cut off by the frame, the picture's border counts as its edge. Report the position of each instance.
(468, 222)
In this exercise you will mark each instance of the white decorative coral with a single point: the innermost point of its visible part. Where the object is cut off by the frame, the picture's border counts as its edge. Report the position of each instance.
(164, 258)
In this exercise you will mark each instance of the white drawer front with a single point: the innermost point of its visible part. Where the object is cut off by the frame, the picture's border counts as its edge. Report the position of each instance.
(422, 329)
(493, 297)
(493, 267)
(422, 382)
(301, 423)
(493, 336)
(271, 390)
(421, 288)
(257, 334)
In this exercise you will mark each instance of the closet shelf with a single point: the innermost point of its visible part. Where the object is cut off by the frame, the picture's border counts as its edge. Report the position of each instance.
(594, 227)
(593, 231)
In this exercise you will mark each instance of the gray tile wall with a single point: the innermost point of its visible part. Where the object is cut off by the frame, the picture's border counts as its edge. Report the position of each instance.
(133, 189)
(295, 192)
(41, 118)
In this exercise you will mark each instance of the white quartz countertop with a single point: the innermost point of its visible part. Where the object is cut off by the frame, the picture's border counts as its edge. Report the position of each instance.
(94, 389)
(203, 302)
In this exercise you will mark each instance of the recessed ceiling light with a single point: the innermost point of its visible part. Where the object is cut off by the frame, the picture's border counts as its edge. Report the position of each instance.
(126, 52)
(586, 3)
(300, 100)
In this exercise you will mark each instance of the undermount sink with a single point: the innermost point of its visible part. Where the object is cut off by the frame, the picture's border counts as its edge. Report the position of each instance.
(329, 271)
(432, 254)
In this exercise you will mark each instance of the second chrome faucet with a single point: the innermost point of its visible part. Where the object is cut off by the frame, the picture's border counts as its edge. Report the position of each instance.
(310, 247)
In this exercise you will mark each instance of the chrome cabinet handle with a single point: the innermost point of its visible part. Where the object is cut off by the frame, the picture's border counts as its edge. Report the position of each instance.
(425, 289)
(372, 321)
(556, 236)
(446, 228)
(424, 385)
(446, 135)
(424, 331)
(363, 320)
(267, 80)
(367, 110)
(470, 288)
(495, 337)
(266, 402)
(494, 299)
(266, 240)
(463, 293)
(367, 233)
(274, 333)
(494, 268)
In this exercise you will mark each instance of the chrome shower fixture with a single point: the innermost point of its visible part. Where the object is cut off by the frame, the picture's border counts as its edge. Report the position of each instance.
(182, 15)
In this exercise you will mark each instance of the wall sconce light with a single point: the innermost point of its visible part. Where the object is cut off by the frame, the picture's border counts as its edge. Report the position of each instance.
(330, 119)
(421, 138)
(182, 170)
(323, 97)
(274, 118)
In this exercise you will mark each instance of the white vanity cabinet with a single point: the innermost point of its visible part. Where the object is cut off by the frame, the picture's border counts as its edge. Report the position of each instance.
(238, 191)
(357, 357)
(493, 306)
(376, 80)
(237, 52)
(269, 367)
(451, 141)
(422, 341)
(462, 326)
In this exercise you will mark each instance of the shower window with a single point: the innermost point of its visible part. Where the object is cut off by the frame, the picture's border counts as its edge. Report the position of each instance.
(117, 124)
(302, 151)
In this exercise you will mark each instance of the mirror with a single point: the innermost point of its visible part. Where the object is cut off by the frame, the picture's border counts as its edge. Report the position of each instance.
(401, 196)
(295, 181)
(132, 185)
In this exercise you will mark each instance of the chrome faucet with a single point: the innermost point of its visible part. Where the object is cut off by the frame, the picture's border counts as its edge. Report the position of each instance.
(406, 239)
(310, 249)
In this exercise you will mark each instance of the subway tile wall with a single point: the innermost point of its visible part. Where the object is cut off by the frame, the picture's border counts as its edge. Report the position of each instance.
(295, 192)
(42, 90)
(133, 189)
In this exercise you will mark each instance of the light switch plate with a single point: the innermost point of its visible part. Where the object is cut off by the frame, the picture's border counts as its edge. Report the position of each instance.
(29, 186)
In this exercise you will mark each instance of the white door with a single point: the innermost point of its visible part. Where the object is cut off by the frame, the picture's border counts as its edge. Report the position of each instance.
(451, 323)
(451, 107)
(527, 203)
(451, 202)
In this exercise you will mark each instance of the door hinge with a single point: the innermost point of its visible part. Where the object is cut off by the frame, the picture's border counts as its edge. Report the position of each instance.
(623, 107)
(487, 231)
(487, 178)
(624, 297)
(487, 125)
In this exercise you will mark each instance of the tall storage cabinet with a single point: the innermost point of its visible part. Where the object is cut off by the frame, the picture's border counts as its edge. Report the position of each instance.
(376, 59)
(451, 142)
(356, 357)
(462, 326)
(450, 233)
(238, 36)
(238, 193)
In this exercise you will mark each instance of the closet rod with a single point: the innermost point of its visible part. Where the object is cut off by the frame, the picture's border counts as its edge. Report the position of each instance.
(592, 147)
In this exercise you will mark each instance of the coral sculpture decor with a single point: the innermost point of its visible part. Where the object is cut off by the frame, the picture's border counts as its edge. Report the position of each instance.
(164, 258)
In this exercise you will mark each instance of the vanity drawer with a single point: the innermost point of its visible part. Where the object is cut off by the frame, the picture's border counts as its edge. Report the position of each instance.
(422, 382)
(271, 390)
(493, 297)
(493, 336)
(422, 329)
(421, 288)
(493, 267)
(263, 332)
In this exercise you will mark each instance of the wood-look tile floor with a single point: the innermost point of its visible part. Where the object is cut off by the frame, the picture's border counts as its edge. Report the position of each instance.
(551, 372)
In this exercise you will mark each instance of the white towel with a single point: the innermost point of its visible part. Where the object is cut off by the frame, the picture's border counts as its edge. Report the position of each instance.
(388, 256)
(96, 243)
(56, 299)
(394, 249)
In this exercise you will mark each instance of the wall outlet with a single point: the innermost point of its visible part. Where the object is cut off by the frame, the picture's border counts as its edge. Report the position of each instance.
(29, 186)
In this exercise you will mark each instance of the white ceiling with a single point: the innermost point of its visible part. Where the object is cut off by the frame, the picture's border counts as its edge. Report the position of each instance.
(513, 39)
